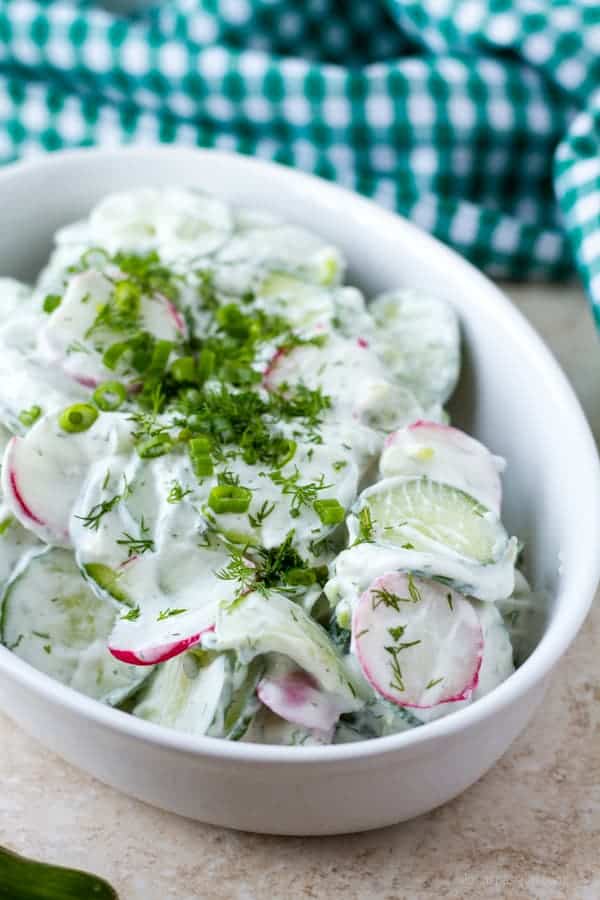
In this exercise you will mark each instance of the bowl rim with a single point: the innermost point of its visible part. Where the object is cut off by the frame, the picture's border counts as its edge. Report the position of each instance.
(574, 600)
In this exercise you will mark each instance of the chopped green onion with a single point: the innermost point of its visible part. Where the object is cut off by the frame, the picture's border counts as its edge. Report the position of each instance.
(304, 577)
(93, 257)
(284, 448)
(78, 417)
(206, 364)
(202, 465)
(28, 416)
(109, 396)
(200, 446)
(160, 356)
(184, 369)
(199, 450)
(113, 354)
(330, 512)
(159, 445)
(228, 498)
(51, 302)
(127, 298)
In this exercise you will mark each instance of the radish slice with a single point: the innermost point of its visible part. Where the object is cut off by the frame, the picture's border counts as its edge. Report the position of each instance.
(296, 696)
(41, 503)
(376, 401)
(419, 644)
(66, 337)
(43, 472)
(155, 644)
(445, 454)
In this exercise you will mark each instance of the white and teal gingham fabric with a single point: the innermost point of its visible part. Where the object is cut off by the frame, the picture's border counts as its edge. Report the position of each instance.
(478, 119)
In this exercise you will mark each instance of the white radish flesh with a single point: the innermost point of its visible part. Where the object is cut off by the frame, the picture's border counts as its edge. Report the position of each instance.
(445, 454)
(419, 644)
(297, 697)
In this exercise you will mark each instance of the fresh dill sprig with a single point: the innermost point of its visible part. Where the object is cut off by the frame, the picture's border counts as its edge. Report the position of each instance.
(99, 510)
(137, 546)
(177, 493)
(301, 494)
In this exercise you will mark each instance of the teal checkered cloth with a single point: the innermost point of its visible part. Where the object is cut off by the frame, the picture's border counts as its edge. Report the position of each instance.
(478, 120)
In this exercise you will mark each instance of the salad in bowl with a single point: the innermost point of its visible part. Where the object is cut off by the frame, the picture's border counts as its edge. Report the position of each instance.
(232, 500)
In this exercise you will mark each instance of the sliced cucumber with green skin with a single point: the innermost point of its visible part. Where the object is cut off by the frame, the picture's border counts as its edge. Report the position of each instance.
(27, 879)
(418, 339)
(358, 566)
(240, 701)
(424, 515)
(202, 693)
(268, 728)
(52, 620)
(258, 624)
(184, 695)
(16, 546)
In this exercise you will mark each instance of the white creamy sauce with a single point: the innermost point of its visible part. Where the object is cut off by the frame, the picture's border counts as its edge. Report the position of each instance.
(201, 502)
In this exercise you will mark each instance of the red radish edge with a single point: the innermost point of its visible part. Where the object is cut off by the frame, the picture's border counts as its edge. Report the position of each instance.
(155, 655)
(175, 315)
(362, 342)
(465, 694)
(420, 423)
(19, 497)
(84, 380)
(272, 365)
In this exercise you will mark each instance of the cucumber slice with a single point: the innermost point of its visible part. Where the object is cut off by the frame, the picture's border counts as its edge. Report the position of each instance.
(426, 515)
(268, 728)
(418, 643)
(52, 620)
(43, 472)
(241, 701)
(200, 693)
(304, 304)
(287, 247)
(184, 695)
(177, 222)
(447, 455)
(16, 546)
(362, 563)
(418, 339)
(379, 718)
(524, 614)
(26, 879)
(258, 624)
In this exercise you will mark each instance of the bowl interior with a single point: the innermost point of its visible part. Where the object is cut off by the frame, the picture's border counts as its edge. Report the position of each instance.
(509, 397)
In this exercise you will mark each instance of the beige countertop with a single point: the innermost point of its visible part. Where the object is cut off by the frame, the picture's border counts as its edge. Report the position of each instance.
(529, 829)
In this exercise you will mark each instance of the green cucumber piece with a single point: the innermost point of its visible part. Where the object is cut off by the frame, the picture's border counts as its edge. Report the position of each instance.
(26, 879)
(259, 624)
(53, 620)
(421, 514)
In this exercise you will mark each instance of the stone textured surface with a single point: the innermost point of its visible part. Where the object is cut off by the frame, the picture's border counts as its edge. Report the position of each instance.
(530, 830)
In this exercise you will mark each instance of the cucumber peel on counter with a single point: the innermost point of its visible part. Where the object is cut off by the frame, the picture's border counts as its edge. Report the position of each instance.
(26, 879)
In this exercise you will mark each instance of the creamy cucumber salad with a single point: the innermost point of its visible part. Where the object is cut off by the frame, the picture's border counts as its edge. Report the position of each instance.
(232, 502)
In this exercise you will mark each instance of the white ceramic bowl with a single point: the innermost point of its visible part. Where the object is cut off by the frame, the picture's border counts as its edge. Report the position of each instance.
(513, 396)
